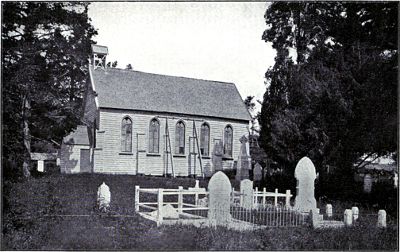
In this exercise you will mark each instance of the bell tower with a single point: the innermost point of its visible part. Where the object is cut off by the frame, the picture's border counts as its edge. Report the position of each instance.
(99, 56)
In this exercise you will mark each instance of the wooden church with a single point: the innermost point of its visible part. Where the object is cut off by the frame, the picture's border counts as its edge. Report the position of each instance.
(144, 123)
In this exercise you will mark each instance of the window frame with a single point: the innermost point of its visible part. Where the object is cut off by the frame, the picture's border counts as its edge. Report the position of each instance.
(208, 139)
(124, 148)
(151, 140)
(229, 155)
(178, 139)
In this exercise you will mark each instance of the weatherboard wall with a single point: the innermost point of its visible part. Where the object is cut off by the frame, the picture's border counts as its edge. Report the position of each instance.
(108, 157)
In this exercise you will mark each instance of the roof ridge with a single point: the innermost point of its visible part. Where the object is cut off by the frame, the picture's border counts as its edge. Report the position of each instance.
(166, 75)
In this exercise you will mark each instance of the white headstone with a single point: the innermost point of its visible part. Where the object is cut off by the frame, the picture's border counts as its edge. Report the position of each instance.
(348, 217)
(103, 197)
(367, 183)
(305, 175)
(329, 210)
(396, 180)
(257, 172)
(382, 218)
(219, 189)
(246, 189)
(40, 165)
(355, 212)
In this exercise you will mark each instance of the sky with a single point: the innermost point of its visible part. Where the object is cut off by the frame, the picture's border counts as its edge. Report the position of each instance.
(218, 41)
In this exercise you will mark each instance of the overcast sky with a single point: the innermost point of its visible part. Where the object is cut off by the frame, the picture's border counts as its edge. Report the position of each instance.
(206, 40)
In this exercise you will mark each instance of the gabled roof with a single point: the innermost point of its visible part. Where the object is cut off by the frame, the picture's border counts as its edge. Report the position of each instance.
(79, 136)
(128, 89)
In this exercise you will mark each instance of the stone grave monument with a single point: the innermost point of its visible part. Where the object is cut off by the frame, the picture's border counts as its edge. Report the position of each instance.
(257, 173)
(103, 197)
(381, 218)
(367, 183)
(244, 160)
(219, 189)
(217, 156)
(246, 191)
(305, 175)
(348, 217)
(329, 210)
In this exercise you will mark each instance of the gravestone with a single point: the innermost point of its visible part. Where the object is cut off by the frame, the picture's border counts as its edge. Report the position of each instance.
(217, 156)
(396, 180)
(305, 175)
(348, 217)
(382, 218)
(257, 173)
(40, 165)
(329, 210)
(355, 212)
(219, 189)
(246, 189)
(103, 197)
(367, 183)
(244, 160)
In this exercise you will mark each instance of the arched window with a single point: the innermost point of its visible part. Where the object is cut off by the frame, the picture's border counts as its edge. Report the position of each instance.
(154, 136)
(228, 140)
(205, 139)
(180, 138)
(126, 135)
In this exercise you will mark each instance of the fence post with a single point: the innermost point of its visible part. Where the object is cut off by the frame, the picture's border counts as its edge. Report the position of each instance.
(287, 203)
(137, 198)
(276, 197)
(232, 195)
(255, 197)
(160, 203)
(180, 199)
(263, 198)
(241, 198)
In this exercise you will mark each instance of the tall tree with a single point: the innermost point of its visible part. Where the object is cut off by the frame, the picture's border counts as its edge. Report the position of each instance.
(335, 98)
(44, 55)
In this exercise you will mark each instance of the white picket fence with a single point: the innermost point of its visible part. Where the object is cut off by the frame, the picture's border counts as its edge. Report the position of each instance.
(189, 204)
(260, 197)
(190, 209)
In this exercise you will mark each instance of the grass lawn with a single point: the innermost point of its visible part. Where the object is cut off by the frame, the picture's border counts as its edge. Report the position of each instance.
(25, 226)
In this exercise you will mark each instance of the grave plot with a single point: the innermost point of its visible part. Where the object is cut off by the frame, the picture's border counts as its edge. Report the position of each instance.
(219, 206)
(246, 209)
(168, 205)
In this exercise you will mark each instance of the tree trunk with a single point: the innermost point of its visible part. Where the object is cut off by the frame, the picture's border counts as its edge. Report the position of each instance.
(26, 106)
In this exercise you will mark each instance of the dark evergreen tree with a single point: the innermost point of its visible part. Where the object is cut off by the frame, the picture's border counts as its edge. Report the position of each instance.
(337, 100)
(45, 51)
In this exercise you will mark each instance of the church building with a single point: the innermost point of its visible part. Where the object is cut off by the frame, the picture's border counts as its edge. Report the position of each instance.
(143, 123)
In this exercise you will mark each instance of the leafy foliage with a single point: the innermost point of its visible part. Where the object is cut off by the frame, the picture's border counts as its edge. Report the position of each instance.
(44, 55)
(334, 99)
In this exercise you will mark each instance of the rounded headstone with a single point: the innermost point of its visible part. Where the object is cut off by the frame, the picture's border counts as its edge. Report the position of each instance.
(329, 210)
(382, 218)
(219, 189)
(348, 217)
(257, 172)
(246, 189)
(367, 183)
(305, 175)
(103, 197)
